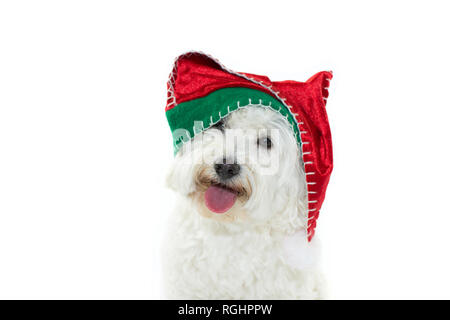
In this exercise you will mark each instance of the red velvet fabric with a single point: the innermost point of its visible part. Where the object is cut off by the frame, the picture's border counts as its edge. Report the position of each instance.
(195, 75)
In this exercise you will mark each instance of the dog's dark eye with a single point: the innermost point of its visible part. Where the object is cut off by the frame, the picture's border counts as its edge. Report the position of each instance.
(219, 125)
(265, 143)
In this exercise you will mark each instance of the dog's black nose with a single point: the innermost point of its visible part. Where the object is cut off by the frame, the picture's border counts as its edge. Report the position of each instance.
(227, 170)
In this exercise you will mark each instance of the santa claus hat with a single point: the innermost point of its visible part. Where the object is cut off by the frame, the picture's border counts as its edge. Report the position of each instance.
(202, 90)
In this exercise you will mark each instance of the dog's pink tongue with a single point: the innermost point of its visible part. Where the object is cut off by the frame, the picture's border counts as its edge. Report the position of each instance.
(219, 200)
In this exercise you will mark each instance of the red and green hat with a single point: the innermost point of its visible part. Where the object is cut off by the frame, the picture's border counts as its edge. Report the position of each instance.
(202, 90)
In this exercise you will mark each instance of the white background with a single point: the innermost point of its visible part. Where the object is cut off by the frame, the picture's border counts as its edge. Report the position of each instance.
(84, 143)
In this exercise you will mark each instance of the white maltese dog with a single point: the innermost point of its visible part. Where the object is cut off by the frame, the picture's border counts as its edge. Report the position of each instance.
(251, 179)
(238, 230)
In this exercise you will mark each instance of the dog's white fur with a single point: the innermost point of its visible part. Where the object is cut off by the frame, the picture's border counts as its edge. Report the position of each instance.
(257, 250)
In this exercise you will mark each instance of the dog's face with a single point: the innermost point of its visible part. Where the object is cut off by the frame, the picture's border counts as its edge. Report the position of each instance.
(246, 168)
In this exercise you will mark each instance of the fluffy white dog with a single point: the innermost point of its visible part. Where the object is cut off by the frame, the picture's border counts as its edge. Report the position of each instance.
(238, 230)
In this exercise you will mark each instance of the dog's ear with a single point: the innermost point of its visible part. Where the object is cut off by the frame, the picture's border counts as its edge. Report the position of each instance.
(302, 199)
(301, 209)
(179, 177)
(170, 178)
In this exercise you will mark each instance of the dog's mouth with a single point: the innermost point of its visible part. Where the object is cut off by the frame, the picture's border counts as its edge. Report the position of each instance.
(219, 198)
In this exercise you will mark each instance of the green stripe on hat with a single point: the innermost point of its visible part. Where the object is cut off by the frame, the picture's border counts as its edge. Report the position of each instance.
(206, 111)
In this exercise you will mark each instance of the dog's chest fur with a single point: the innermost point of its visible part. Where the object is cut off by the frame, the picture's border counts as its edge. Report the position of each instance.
(204, 259)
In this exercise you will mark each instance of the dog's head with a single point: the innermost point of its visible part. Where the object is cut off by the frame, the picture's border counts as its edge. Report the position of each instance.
(244, 169)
